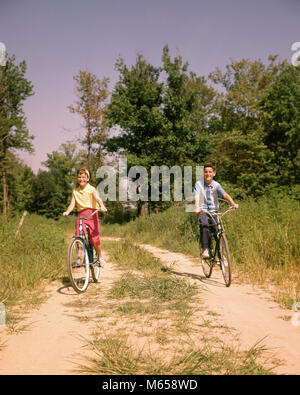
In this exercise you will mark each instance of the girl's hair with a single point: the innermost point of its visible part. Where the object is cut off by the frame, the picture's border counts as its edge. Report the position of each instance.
(84, 170)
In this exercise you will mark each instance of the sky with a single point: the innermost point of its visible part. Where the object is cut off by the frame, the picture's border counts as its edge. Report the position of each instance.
(58, 38)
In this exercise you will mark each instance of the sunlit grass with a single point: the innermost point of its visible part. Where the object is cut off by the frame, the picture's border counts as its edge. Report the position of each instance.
(37, 254)
(263, 238)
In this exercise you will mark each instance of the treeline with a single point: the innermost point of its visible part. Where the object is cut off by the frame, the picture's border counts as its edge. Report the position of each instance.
(246, 119)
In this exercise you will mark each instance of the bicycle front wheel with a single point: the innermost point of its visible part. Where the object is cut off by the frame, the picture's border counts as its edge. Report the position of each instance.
(225, 260)
(78, 265)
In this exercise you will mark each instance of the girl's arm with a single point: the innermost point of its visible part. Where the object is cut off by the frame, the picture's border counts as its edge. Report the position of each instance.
(99, 200)
(230, 200)
(71, 207)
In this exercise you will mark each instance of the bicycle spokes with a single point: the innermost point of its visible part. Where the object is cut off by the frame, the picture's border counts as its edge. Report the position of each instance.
(78, 265)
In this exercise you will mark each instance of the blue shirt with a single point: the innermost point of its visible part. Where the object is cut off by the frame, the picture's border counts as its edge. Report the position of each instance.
(208, 195)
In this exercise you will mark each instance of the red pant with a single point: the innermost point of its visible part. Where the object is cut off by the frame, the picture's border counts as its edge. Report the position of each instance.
(93, 224)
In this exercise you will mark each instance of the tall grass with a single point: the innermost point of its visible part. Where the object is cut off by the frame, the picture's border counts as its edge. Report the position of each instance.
(149, 301)
(263, 237)
(36, 254)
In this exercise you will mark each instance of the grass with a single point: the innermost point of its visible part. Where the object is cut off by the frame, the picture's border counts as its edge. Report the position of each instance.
(30, 260)
(154, 320)
(263, 237)
(115, 356)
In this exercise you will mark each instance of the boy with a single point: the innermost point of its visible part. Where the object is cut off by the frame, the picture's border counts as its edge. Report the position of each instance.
(208, 194)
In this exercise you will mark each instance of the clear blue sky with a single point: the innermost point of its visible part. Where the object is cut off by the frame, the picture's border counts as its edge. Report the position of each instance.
(59, 37)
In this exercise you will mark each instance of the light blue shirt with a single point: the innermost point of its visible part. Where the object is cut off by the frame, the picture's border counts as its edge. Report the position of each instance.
(208, 195)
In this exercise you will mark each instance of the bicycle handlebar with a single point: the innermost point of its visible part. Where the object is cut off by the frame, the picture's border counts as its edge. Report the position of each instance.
(86, 216)
(218, 214)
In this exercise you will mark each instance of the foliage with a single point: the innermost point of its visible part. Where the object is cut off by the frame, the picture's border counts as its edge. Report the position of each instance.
(281, 120)
(36, 254)
(14, 90)
(240, 151)
(20, 179)
(92, 94)
(53, 188)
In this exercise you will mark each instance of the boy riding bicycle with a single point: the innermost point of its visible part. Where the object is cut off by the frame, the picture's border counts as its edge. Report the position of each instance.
(206, 198)
(87, 199)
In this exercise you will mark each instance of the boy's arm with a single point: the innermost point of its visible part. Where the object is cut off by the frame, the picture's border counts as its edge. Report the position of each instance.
(71, 207)
(197, 205)
(230, 200)
(99, 200)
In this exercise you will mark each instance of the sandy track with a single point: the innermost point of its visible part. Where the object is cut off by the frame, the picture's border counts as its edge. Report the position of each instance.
(54, 342)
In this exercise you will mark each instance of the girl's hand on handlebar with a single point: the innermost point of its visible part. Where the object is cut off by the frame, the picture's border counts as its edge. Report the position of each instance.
(65, 214)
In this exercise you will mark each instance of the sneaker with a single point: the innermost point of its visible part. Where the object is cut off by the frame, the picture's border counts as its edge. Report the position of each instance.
(205, 253)
(102, 262)
(77, 263)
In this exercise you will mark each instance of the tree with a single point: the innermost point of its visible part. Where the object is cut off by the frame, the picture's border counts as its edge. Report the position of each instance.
(53, 188)
(20, 179)
(187, 107)
(240, 151)
(163, 121)
(135, 107)
(92, 94)
(14, 90)
(281, 122)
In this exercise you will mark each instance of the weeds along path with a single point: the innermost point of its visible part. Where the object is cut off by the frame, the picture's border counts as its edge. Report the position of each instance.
(52, 339)
(247, 309)
(57, 333)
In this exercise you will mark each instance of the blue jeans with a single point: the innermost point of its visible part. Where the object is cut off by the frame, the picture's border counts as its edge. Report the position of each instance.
(205, 230)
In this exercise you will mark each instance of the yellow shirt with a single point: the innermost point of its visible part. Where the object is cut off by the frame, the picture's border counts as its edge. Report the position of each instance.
(84, 198)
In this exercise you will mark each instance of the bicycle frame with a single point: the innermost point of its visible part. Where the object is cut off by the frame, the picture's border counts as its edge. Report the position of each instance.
(86, 258)
(83, 235)
(216, 255)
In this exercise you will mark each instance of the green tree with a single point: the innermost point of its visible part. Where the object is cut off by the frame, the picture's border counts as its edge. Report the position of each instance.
(135, 107)
(281, 122)
(187, 107)
(163, 113)
(240, 152)
(90, 105)
(20, 179)
(53, 188)
(14, 90)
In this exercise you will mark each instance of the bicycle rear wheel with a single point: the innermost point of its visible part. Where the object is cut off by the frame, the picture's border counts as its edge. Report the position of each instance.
(78, 265)
(225, 260)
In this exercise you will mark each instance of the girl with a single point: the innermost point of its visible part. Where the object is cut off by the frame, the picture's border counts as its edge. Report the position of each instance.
(87, 199)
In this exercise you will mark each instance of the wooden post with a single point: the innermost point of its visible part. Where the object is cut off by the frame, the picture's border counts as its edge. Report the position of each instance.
(21, 223)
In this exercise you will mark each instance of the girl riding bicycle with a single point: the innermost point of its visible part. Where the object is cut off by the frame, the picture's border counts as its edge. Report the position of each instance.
(87, 199)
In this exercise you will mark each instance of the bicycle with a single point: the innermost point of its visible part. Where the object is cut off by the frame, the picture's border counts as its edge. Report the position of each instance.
(82, 258)
(218, 250)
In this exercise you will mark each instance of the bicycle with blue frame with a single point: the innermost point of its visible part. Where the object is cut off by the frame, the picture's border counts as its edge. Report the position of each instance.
(218, 249)
(82, 258)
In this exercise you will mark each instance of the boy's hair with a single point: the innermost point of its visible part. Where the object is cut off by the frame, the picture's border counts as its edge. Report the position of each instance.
(209, 164)
(84, 170)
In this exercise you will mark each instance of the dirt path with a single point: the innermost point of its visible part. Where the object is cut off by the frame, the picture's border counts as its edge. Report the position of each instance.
(54, 342)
